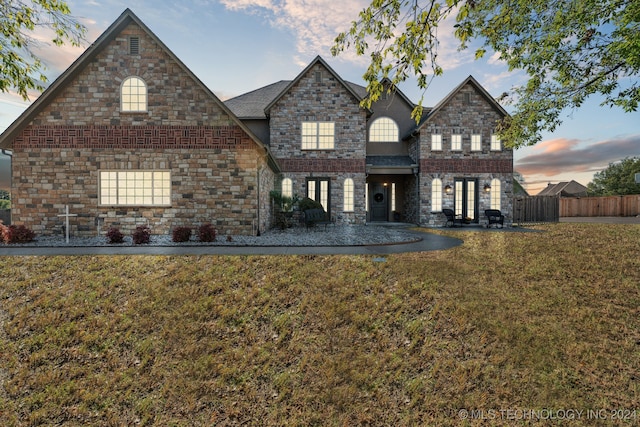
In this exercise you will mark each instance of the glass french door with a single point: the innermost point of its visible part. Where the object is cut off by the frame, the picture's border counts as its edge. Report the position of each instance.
(466, 198)
(318, 190)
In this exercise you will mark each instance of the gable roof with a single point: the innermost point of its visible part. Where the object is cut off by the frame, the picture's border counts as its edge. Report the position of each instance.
(318, 60)
(126, 18)
(469, 80)
(252, 105)
(564, 189)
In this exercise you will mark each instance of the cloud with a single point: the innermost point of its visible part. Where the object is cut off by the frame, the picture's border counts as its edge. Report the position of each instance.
(314, 23)
(562, 156)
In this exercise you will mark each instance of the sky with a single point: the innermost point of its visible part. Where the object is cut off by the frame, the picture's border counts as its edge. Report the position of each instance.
(235, 46)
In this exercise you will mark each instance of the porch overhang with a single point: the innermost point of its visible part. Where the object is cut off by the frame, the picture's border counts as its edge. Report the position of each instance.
(391, 165)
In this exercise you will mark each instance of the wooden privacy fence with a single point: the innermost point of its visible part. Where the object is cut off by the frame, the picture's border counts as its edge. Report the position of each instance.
(536, 209)
(600, 206)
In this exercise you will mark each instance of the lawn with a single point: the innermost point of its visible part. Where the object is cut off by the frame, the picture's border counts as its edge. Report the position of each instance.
(506, 329)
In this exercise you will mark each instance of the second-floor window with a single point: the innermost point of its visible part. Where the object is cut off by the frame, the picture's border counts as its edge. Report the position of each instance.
(496, 145)
(383, 129)
(476, 142)
(436, 142)
(456, 142)
(133, 95)
(318, 135)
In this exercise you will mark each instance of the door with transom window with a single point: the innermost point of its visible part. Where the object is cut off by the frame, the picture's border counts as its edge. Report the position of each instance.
(466, 198)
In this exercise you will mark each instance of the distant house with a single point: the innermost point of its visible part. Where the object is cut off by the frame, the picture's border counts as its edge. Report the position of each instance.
(565, 189)
(128, 135)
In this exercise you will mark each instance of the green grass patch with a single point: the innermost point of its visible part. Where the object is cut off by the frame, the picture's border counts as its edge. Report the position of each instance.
(513, 321)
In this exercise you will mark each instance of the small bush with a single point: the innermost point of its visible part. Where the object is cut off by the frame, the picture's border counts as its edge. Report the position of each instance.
(206, 233)
(181, 234)
(114, 236)
(141, 235)
(307, 203)
(16, 234)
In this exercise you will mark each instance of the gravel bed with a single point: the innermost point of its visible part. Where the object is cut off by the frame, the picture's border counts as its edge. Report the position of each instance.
(354, 235)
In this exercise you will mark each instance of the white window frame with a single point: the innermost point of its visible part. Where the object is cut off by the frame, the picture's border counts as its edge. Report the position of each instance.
(436, 195)
(496, 193)
(384, 129)
(135, 187)
(456, 142)
(134, 95)
(496, 144)
(436, 142)
(318, 135)
(348, 195)
(476, 142)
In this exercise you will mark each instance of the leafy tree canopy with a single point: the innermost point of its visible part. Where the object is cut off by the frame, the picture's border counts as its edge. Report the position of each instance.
(618, 179)
(20, 68)
(570, 49)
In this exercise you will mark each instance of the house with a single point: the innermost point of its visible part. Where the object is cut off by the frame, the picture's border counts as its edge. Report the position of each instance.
(128, 135)
(377, 165)
(564, 189)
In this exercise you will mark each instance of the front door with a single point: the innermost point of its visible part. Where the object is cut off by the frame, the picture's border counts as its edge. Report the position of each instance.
(379, 202)
(466, 198)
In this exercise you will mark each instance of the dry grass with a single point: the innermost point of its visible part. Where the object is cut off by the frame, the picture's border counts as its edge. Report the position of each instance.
(518, 321)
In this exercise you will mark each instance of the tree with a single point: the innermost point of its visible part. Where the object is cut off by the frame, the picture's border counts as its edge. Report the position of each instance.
(618, 179)
(20, 68)
(570, 49)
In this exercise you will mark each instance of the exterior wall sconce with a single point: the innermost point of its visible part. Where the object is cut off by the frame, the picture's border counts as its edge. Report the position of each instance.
(448, 189)
(487, 188)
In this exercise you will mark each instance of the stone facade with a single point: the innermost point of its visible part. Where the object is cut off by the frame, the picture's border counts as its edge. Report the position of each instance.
(319, 96)
(466, 112)
(219, 173)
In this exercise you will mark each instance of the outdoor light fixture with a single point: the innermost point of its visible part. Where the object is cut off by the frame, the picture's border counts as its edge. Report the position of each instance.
(487, 188)
(448, 189)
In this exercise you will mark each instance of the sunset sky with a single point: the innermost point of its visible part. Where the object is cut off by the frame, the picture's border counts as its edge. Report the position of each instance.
(235, 46)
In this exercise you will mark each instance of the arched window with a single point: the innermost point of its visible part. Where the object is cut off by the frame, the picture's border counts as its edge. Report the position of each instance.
(495, 194)
(436, 195)
(348, 195)
(287, 187)
(133, 95)
(383, 129)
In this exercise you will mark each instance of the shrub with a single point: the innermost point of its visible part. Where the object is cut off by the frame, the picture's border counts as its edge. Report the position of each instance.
(16, 234)
(181, 234)
(206, 233)
(114, 236)
(141, 235)
(307, 203)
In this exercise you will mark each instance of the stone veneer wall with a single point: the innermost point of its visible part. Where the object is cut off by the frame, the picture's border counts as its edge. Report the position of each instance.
(211, 182)
(324, 100)
(467, 112)
(213, 162)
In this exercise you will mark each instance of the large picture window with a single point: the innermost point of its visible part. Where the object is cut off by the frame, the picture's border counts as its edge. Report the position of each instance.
(383, 129)
(318, 135)
(133, 95)
(135, 188)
